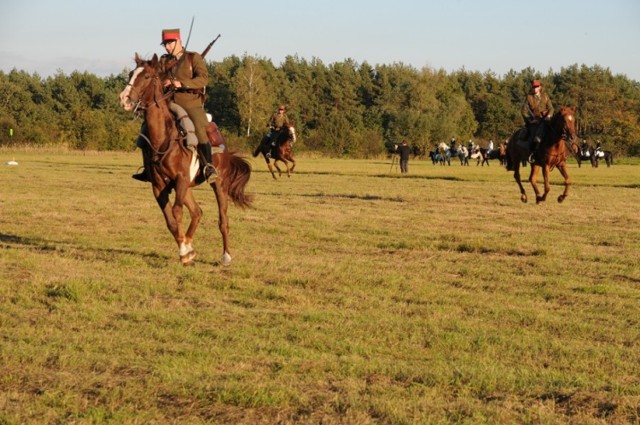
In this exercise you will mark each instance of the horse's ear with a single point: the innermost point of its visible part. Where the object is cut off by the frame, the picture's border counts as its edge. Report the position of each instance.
(573, 108)
(154, 60)
(137, 59)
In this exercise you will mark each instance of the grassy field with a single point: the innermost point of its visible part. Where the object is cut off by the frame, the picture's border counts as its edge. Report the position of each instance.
(356, 296)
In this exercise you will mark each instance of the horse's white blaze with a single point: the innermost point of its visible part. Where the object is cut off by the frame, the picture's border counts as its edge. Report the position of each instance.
(125, 100)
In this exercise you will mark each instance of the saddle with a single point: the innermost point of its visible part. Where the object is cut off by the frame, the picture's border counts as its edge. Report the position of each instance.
(214, 135)
(523, 134)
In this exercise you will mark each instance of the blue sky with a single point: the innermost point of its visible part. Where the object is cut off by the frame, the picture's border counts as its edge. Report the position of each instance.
(101, 37)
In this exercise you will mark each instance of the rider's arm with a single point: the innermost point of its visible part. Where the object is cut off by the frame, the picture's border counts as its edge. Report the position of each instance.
(200, 76)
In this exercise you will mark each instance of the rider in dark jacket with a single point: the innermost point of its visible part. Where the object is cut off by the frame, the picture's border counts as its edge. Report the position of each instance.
(536, 108)
(277, 122)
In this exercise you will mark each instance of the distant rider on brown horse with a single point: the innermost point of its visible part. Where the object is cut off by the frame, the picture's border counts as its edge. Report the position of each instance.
(536, 109)
(187, 75)
(278, 121)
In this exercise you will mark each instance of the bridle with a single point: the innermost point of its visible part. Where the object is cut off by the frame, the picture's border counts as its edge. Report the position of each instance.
(145, 98)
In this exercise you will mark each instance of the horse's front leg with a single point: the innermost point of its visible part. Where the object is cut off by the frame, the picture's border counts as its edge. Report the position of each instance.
(271, 169)
(275, 164)
(196, 215)
(293, 162)
(547, 182)
(222, 198)
(286, 164)
(184, 248)
(567, 182)
(162, 198)
(533, 180)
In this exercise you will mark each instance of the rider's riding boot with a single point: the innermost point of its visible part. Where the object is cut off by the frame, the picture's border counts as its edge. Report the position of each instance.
(534, 148)
(209, 170)
(143, 176)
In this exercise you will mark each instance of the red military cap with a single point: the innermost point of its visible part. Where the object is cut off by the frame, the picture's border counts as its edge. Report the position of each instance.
(535, 83)
(170, 35)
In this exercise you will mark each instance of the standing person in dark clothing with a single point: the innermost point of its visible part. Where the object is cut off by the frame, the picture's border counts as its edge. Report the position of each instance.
(404, 151)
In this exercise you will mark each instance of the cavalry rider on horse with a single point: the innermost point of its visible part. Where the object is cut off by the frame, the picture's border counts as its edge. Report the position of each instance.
(276, 124)
(278, 120)
(584, 148)
(187, 75)
(536, 109)
(598, 152)
(453, 149)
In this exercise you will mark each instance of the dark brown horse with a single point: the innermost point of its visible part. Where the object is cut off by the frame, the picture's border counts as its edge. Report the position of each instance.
(281, 150)
(583, 154)
(606, 155)
(551, 153)
(172, 166)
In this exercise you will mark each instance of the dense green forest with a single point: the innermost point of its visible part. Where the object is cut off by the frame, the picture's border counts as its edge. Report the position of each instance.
(341, 109)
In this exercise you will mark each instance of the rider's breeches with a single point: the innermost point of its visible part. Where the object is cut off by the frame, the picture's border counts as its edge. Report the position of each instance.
(200, 122)
(185, 123)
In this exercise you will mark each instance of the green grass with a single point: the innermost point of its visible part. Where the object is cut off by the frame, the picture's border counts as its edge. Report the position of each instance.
(356, 296)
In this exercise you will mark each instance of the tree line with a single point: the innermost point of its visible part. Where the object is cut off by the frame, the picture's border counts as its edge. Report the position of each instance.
(343, 109)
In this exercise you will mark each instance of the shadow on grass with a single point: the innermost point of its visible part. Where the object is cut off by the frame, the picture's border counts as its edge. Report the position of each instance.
(8, 241)
(363, 197)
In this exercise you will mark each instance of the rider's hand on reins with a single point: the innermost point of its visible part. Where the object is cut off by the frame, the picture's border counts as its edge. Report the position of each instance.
(171, 83)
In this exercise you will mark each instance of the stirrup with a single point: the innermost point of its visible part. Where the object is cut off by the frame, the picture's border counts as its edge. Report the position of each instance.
(210, 173)
(531, 159)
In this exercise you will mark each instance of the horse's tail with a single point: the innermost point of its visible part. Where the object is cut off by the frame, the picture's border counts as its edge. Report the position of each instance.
(257, 151)
(238, 177)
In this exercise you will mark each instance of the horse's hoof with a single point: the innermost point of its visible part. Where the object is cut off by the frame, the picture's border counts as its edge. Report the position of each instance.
(561, 198)
(226, 259)
(187, 259)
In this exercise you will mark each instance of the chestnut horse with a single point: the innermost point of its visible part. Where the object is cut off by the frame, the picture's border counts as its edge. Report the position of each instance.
(551, 153)
(281, 150)
(173, 166)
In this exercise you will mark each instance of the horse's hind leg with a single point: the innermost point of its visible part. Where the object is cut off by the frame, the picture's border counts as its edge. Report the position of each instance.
(222, 198)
